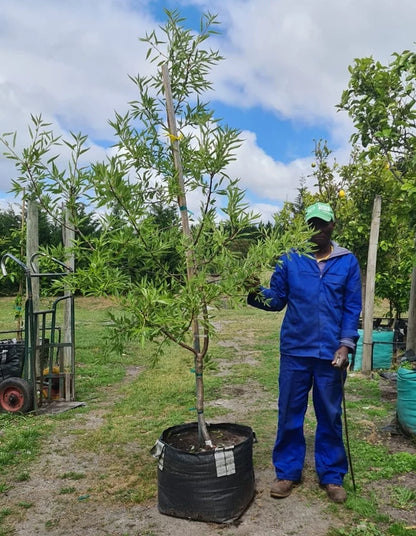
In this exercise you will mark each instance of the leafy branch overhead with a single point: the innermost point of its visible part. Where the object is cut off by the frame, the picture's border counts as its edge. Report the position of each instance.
(381, 101)
(136, 190)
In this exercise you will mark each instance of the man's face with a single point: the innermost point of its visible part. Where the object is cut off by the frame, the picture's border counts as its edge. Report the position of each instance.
(323, 229)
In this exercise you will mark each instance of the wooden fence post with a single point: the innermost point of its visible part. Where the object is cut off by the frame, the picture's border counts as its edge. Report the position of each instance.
(370, 287)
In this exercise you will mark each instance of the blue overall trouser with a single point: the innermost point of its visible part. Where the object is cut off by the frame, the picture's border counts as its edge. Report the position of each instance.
(297, 376)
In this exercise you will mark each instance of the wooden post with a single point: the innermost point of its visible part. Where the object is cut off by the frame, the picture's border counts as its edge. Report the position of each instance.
(173, 135)
(32, 245)
(370, 287)
(411, 323)
(21, 290)
(68, 235)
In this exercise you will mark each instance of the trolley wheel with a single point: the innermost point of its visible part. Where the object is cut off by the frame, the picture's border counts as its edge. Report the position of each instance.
(16, 396)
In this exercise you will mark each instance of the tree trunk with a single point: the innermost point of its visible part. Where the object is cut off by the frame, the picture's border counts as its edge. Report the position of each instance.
(190, 265)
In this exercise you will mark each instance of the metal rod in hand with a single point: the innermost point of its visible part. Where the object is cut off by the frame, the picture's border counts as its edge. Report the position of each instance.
(347, 439)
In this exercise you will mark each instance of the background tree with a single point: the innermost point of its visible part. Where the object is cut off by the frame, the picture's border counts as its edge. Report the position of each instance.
(351, 189)
(381, 102)
(364, 180)
(10, 230)
(51, 175)
(12, 241)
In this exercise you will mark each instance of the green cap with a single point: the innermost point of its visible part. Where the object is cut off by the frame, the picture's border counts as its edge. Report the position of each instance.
(323, 211)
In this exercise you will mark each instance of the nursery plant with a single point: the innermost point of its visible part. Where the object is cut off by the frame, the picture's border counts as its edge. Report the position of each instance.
(172, 151)
(171, 216)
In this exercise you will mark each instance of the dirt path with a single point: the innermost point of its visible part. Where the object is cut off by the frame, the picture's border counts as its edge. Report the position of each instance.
(54, 515)
(88, 513)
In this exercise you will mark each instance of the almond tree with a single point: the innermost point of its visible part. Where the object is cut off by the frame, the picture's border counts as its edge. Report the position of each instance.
(170, 149)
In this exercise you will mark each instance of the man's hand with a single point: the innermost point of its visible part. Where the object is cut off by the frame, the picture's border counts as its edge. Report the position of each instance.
(341, 358)
(252, 283)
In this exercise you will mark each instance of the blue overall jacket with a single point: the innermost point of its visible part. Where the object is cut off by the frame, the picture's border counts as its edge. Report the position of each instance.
(323, 307)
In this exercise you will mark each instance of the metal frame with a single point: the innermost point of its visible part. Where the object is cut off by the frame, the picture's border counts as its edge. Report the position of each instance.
(49, 361)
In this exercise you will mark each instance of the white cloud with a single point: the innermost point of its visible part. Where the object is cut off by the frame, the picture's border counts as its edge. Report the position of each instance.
(10, 203)
(266, 211)
(265, 177)
(292, 57)
(70, 61)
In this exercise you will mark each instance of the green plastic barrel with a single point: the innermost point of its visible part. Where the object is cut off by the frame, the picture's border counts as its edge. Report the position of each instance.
(382, 349)
(406, 399)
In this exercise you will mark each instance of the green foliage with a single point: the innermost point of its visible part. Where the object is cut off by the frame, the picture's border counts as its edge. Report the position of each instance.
(381, 102)
(19, 442)
(72, 475)
(397, 529)
(381, 99)
(13, 240)
(39, 177)
(66, 491)
(4, 512)
(329, 180)
(364, 528)
(170, 268)
(10, 242)
(365, 180)
(45, 178)
(403, 498)
(175, 277)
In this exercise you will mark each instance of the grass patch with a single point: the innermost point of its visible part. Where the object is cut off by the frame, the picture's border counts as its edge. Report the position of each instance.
(72, 475)
(66, 491)
(20, 442)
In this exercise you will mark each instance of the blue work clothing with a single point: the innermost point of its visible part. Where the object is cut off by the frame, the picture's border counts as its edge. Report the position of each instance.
(323, 307)
(297, 376)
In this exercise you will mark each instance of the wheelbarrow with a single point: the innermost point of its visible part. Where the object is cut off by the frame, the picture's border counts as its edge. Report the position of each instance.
(37, 361)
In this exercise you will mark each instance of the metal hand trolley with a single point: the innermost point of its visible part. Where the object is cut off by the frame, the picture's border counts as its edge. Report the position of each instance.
(37, 362)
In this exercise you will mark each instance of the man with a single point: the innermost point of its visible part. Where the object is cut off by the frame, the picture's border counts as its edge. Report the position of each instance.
(322, 292)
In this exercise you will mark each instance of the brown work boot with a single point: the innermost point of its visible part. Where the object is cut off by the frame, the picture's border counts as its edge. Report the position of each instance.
(282, 488)
(335, 492)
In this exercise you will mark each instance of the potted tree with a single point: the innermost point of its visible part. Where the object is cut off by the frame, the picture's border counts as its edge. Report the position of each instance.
(172, 268)
(170, 147)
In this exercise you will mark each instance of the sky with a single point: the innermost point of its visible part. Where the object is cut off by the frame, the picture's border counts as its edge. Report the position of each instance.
(286, 65)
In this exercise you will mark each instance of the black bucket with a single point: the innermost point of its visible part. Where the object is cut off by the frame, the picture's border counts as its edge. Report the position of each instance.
(12, 353)
(213, 486)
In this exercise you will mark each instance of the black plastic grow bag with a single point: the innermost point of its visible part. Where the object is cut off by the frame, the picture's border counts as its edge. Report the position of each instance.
(213, 486)
(11, 358)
